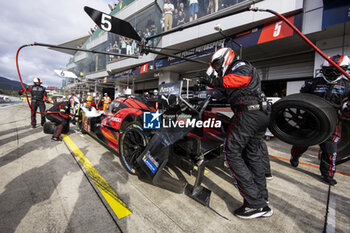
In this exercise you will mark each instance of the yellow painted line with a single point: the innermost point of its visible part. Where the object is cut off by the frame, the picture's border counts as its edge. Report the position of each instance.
(117, 205)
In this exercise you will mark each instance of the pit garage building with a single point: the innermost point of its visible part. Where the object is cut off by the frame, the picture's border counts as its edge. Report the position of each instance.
(282, 58)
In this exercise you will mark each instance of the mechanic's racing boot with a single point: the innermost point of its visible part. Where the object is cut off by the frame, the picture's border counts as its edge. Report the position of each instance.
(294, 162)
(329, 180)
(268, 176)
(250, 213)
(269, 212)
(56, 138)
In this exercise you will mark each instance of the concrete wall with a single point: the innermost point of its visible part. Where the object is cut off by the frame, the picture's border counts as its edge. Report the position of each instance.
(133, 8)
(168, 77)
(99, 40)
(313, 10)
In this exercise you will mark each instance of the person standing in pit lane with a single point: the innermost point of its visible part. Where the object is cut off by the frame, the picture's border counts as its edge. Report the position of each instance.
(106, 101)
(241, 85)
(89, 101)
(334, 87)
(59, 113)
(38, 96)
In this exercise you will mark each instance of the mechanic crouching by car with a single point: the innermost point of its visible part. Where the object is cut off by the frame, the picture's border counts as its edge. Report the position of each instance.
(334, 87)
(59, 113)
(241, 84)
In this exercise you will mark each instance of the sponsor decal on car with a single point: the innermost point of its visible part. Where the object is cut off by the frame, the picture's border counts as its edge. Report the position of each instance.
(117, 119)
(151, 163)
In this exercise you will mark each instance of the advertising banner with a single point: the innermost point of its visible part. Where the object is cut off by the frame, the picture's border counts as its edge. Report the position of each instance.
(335, 12)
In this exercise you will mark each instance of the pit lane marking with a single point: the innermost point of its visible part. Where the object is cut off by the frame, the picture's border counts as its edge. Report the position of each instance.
(331, 226)
(306, 164)
(118, 206)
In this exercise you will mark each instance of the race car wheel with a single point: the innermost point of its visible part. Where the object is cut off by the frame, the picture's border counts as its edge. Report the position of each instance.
(302, 119)
(49, 128)
(132, 142)
(344, 144)
(80, 122)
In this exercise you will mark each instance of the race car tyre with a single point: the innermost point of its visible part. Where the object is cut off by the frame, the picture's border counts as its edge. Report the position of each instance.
(132, 142)
(49, 128)
(302, 119)
(80, 122)
(344, 144)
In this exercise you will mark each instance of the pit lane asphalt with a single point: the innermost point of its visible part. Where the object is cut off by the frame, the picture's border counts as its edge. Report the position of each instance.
(42, 189)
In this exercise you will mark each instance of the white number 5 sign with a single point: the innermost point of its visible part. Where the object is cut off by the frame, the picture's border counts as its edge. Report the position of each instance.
(106, 22)
(277, 30)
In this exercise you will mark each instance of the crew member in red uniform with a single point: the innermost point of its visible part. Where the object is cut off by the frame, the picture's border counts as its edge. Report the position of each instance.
(60, 113)
(240, 83)
(38, 96)
(334, 87)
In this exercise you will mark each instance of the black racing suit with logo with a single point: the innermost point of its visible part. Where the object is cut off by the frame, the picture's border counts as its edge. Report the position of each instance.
(38, 94)
(60, 115)
(242, 147)
(334, 93)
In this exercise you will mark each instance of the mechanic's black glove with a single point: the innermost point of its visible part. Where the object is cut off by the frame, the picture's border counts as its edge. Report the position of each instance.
(210, 80)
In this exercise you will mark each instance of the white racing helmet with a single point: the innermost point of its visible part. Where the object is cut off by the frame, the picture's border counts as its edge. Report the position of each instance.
(210, 71)
(221, 59)
(345, 108)
(330, 73)
(37, 81)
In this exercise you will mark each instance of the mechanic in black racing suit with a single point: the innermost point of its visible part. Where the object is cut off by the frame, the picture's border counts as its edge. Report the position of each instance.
(334, 87)
(241, 85)
(38, 96)
(60, 113)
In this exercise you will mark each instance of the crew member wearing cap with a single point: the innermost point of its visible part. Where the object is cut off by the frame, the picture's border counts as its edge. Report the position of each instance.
(106, 101)
(88, 101)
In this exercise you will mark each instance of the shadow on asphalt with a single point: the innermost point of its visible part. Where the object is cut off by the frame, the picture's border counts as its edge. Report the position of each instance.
(31, 188)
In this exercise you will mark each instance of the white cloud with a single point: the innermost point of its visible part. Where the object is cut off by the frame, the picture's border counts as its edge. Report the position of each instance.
(45, 21)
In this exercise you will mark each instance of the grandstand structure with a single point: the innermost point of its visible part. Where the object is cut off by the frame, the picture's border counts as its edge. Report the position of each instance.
(282, 58)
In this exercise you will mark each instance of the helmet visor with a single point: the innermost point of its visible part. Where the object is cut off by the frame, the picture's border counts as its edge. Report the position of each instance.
(332, 73)
(217, 63)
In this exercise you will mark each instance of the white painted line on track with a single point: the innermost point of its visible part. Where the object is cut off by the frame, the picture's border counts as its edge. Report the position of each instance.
(331, 214)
